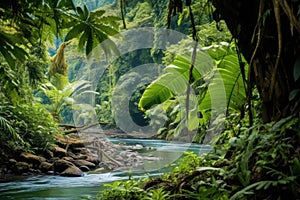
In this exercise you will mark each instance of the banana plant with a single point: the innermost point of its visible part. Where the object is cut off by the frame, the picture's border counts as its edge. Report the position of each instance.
(217, 85)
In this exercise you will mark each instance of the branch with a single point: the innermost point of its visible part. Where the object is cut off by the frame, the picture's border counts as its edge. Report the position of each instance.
(75, 129)
(288, 11)
(278, 23)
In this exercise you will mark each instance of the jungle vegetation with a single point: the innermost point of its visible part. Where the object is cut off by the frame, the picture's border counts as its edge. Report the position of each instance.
(259, 157)
(251, 47)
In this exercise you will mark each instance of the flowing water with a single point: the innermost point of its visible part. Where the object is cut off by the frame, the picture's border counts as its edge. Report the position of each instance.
(87, 186)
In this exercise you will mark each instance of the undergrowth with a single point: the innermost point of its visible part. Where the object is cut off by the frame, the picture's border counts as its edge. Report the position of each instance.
(262, 162)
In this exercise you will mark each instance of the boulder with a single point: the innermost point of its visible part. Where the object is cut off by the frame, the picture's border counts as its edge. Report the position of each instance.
(72, 171)
(52, 160)
(71, 154)
(61, 165)
(93, 159)
(58, 151)
(70, 159)
(21, 167)
(45, 167)
(79, 163)
(48, 154)
(12, 161)
(82, 157)
(31, 158)
(84, 168)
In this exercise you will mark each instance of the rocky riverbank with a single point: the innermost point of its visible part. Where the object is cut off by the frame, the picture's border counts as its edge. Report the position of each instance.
(72, 155)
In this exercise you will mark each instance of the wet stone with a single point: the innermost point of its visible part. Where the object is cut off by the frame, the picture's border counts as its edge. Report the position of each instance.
(84, 162)
(72, 171)
(61, 165)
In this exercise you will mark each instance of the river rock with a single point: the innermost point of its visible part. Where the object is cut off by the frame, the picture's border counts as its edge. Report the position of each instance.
(137, 147)
(50, 172)
(12, 161)
(79, 163)
(72, 171)
(58, 151)
(52, 160)
(48, 154)
(45, 167)
(71, 154)
(61, 165)
(84, 168)
(70, 159)
(93, 159)
(21, 167)
(98, 171)
(82, 156)
(31, 158)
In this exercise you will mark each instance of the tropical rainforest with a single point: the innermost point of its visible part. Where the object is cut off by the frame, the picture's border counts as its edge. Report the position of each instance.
(233, 82)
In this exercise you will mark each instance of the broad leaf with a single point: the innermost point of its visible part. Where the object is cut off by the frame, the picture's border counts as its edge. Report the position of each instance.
(75, 31)
(92, 28)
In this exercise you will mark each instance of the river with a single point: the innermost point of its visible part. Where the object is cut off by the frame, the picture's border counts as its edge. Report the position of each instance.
(87, 186)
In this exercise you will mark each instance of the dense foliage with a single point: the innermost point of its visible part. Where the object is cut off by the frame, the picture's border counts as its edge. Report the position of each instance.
(256, 162)
(250, 167)
(28, 28)
(218, 88)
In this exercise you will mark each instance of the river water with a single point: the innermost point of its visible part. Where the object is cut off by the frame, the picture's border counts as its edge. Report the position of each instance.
(87, 186)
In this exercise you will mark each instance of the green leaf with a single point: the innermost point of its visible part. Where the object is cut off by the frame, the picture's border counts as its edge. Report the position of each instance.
(19, 53)
(293, 94)
(75, 31)
(80, 13)
(67, 4)
(83, 39)
(6, 54)
(97, 13)
(107, 29)
(154, 94)
(86, 12)
(201, 169)
(89, 43)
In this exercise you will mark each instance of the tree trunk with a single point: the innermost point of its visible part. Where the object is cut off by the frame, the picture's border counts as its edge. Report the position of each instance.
(270, 43)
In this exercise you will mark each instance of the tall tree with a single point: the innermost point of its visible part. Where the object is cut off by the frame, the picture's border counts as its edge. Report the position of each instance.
(267, 33)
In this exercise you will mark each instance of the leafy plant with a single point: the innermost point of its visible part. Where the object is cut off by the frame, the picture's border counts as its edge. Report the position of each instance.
(93, 28)
(8, 130)
(158, 194)
(61, 99)
(33, 126)
(122, 190)
(216, 84)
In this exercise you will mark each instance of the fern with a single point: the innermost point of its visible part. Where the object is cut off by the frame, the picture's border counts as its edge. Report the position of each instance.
(6, 127)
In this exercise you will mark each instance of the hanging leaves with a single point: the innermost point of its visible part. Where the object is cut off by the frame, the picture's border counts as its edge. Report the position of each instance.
(37, 21)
